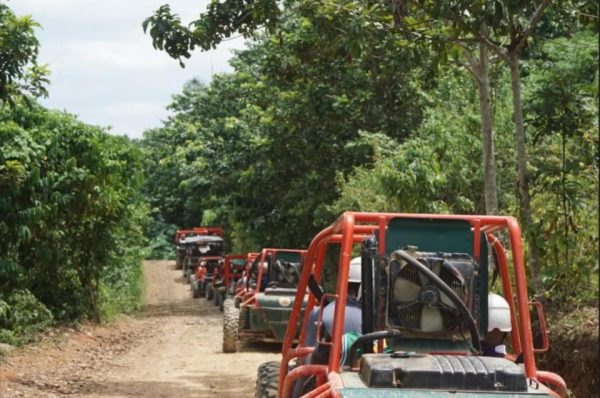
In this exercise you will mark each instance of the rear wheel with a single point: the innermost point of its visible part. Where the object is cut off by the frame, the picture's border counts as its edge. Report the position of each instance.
(267, 381)
(195, 289)
(231, 317)
(208, 292)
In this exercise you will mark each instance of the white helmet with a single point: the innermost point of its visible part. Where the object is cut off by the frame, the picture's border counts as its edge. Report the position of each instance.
(355, 270)
(498, 313)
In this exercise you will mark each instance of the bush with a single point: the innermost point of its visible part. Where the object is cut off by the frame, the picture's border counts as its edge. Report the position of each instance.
(73, 219)
(573, 352)
(160, 241)
(21, 316)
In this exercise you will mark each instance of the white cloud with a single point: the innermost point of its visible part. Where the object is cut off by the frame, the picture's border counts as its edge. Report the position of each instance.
(130, 54)
(104, 68)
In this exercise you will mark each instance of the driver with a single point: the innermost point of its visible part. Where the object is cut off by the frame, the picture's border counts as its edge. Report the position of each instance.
(498, 327)
(264, 280)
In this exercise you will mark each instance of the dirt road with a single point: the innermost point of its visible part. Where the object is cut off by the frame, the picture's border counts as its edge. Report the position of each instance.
(174, 350)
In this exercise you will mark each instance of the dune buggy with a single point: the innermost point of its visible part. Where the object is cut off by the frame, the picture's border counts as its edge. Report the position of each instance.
(424, 307)
(265, 300)
(180, 248)
(227, 277)
(207, 241)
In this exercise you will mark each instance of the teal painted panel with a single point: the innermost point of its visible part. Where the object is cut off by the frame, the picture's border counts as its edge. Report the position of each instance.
(450, 236)
(258, 321)
(291, 257)
(276, 310)
(399, 393)
(429, 235)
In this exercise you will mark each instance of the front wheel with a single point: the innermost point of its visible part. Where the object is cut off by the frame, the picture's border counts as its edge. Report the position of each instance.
(267, 382)
(231, 316)
(216, 297)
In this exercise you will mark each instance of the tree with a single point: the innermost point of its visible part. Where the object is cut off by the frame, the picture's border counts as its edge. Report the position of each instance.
(504, 27)
(221, 20)
(177, 40)
(72, 213)
(560, 97)
(517, 24)
(20, 75)
(272, 135)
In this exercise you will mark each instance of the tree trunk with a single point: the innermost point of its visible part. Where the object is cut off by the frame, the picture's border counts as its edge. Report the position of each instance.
(524, 199)
(487, 134)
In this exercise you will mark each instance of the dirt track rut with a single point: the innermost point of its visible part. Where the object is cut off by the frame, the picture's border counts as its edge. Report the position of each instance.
(174, 350)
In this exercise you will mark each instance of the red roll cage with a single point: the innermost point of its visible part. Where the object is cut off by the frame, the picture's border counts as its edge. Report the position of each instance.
(351, 228)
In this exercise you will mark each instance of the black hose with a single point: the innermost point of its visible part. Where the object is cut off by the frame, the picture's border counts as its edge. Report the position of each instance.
(370, 337)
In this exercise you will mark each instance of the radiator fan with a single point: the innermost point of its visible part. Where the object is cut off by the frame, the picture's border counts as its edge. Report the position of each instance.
(419, 303)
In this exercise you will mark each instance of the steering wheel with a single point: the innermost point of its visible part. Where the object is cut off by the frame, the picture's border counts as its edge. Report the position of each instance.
(283, 271)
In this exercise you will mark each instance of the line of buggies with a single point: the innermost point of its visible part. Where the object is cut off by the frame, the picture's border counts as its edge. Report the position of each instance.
(255, 291)
(419, 323)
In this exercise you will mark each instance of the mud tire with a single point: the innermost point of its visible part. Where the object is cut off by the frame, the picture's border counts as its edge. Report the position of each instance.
(267, 381)
(208, 292)
(195, 289)
(231, 317)
(216, 297)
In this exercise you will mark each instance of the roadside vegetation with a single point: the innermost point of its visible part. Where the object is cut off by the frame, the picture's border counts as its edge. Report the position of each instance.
(72, 216)
(346, 105)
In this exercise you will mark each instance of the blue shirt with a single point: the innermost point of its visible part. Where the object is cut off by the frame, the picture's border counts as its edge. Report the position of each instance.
(352, 320)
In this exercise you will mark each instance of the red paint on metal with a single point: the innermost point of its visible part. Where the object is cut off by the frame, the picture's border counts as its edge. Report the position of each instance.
(346, 230)
(477, 240)
(554, 382)
(301, 372)
(522, 301)
(542, 319)
(507, 289)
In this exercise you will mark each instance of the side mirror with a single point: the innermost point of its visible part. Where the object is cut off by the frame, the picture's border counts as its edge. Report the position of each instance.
(538, 327)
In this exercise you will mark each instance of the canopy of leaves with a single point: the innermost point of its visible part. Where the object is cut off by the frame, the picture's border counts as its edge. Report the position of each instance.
(340, 109)
(20, 75)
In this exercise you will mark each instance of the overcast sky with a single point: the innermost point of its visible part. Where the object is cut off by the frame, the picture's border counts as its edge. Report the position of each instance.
(104, 68)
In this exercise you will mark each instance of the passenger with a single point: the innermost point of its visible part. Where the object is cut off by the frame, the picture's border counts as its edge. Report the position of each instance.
(264, 280)
(352, 328)
(493, 345)
(353, 315)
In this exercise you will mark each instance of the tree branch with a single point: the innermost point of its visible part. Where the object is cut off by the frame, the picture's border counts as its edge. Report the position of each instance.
(472, 66)
(497, 48)
(532, 23)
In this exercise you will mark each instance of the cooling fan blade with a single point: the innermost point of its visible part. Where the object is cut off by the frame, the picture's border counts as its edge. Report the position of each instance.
(436, 268)
(406, 291)
(431, 319)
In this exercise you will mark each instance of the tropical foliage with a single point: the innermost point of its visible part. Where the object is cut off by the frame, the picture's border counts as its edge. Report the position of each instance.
(72, 216)
(364, 106)
(345, 105)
